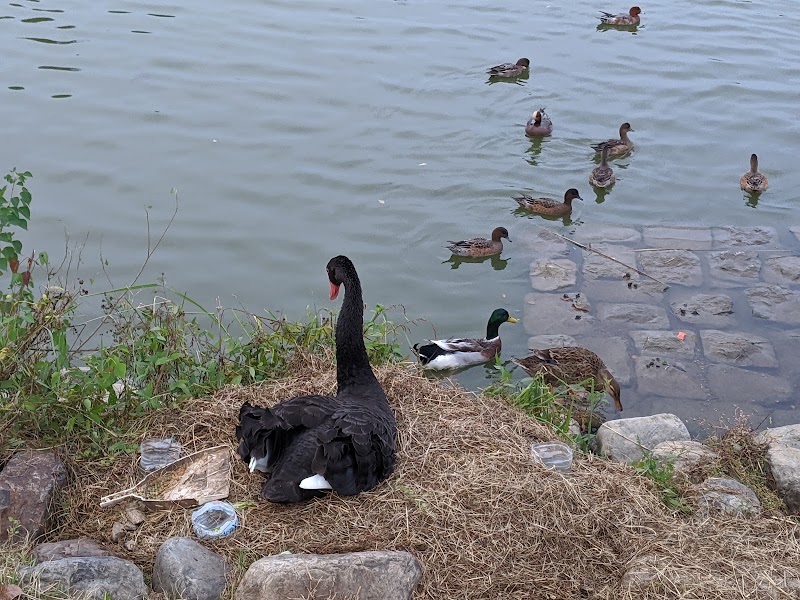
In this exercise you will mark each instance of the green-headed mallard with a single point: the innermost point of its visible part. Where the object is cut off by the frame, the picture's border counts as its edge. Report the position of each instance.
(620, 146)
(456, 353)
(603, 176)
(753, 180)
(548, 206)
(480, 246)
(510, 69)
(539, 125)
(631, 18)
(571, 365)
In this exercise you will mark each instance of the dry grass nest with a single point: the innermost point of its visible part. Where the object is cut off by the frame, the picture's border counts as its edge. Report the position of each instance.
(467, 501)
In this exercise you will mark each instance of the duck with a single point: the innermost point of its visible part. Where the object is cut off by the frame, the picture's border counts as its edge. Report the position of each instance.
(602, 176)
(548, 206)
(456, 353)
(311, 445)
(539, 125)
(753, 180)
(510, 69)
(480, 246)
(632, 18)
(620, 146)
(571, 365)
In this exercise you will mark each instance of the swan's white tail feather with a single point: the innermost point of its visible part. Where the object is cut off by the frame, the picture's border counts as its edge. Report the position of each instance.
(315, 482)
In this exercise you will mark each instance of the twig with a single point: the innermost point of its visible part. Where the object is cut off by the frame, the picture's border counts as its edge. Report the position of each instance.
(590, 249)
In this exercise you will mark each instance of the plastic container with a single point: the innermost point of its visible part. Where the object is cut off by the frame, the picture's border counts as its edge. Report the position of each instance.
(155, 454)
(214, 519)
(553, 455)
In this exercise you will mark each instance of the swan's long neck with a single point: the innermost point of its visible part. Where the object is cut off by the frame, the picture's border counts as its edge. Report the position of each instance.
(352, 362)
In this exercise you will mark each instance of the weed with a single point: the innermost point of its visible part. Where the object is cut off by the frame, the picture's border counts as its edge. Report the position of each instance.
(662, 476)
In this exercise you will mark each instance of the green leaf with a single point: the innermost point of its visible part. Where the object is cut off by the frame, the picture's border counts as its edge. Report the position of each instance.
(17, 245)
(163, 360)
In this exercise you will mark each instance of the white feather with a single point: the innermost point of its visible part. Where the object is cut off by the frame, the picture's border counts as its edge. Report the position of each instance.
(315, 482)
(455, 361)
(258, 463)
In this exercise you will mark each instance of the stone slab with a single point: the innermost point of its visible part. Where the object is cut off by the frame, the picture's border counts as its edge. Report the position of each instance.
(550, 313)
(740, 267)
(643, 290)
(596, 266)
(740, 349)
(633, 315)
(550, 274)
(668, 378)
(608, 234)
(659, 342)
(687, 238)
(543, 244)
(775, 303)
(782, 269)
(795, 229)
(731, 237)
(743, 387)
(672, 266)
(540, 342)
(707, 309)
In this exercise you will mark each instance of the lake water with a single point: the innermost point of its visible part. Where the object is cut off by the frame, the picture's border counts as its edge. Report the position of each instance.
(297, 132)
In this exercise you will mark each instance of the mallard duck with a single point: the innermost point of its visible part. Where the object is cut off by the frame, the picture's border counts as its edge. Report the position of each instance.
(456, 353)
(620, 146)
(539, 125)
(632, 18)
(548, 206)
(311, 444)
(603, 176)
(510, 69)
(480, 246)
(753, 180)
(571, 365)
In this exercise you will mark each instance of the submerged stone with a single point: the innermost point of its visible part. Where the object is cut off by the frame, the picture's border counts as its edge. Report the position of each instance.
(634, 315)
(740, 349)
(775, 303)
(549, 274)
(655, 342)
(710, 309)
(672, 266)
(737, 266)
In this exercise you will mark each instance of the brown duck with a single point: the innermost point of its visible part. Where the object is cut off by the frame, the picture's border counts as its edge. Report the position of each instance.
(510, 69)
(753, 180)
(548, 206)
(620, 146)
(571, 365)
(603, 176)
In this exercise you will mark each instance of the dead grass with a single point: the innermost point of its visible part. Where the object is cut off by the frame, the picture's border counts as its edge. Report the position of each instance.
(468, 502)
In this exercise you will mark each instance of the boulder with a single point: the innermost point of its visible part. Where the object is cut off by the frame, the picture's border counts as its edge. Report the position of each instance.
(686, 456)
(28, 488)
(376, 575)
(188, 570)
(627, 440)
(96, 578)
(788, 435)
(726, 496)
(784, 465)
(68, 549)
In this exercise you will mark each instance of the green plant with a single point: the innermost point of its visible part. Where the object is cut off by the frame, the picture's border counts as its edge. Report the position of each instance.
(662, 475)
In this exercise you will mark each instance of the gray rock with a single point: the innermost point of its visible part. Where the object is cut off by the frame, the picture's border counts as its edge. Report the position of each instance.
(668, 378)
(656, 342)
(634, 315)
(672, 266)
(741, 349)
(29, 484)
(775, 303)
(188, 570)
(627, 440)
(738, 266)
(538, 342)
(596, 266)
(726, 496)
(543, 243)
(68, 549)
(685, 456)
(551, 314)
(788, 435)
(709, 309)
(608, 233)
(740, 386)
(96, 578)
(689, 238)
(795, 229)
(729, 237)
(782, 269)
(549, 274)
(784, 464)
(375, 575)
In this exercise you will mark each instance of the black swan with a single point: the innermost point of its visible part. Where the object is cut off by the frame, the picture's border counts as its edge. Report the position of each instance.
(309, 444)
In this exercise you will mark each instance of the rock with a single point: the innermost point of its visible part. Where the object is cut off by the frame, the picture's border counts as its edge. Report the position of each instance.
(186, 569)
(726, 496)
(376, 575)
(608, 233)
(688, 238)
(788, 435)
(741, 349)
(538, 342)
(134, 515)
(596, 266)
(9, 591)
(782, 269)
(741, 386)
(68, 549)
(549, 274)
(117, 531)
(93, 577)
(658, 342)
(775, 303)
(668, 378)
(737, 266)
(784, 465)
(634, 315)
(627, 440)
(672, 266)
(727, 237)
(552, 314)
(711, 309)
(543, 243)
(795, 229)
(686, 456)
(29, 485)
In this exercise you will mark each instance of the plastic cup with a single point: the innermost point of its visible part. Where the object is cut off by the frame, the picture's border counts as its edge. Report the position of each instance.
(553, 455)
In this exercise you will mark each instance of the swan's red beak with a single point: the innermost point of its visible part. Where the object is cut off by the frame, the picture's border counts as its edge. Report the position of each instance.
(334, 291)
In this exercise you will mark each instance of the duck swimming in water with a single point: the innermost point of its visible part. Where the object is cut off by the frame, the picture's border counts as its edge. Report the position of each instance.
(631, 18)
(548, 206)
(602, 176)
(753, 180)
(510, 69)
(478, 247)
(539, 125)
(311, 444)
(615, 147)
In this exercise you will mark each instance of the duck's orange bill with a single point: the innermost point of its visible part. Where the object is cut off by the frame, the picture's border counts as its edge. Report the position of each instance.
(334, 291)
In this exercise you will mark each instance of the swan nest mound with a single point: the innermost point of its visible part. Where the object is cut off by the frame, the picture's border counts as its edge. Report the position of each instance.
(467, 501)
